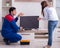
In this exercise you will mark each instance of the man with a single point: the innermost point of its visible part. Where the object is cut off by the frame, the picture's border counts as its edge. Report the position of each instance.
(9, 27)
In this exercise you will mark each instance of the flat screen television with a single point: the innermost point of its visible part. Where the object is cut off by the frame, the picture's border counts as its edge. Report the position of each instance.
(29, 22)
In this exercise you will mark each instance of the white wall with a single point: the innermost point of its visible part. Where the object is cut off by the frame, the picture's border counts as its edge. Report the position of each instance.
(58, 10)
(29, 9)
(0, 14)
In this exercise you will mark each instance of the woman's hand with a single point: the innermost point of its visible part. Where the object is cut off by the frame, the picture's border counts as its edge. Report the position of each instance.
(39, 19)
(20, 14)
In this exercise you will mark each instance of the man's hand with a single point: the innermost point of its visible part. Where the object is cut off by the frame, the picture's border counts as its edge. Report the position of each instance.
(21, 29)
(20, 14)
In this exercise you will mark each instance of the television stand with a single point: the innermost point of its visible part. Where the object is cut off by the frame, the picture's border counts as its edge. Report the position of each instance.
(35, 34)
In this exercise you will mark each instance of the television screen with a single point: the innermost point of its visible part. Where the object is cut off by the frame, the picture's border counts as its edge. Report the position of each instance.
(29, 22)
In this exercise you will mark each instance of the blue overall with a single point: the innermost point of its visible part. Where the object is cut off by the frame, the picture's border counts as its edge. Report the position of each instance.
(10, 29)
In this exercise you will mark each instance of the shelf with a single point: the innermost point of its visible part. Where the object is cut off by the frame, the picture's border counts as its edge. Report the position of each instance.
(6, 6)
(6, 2)
(41, 37)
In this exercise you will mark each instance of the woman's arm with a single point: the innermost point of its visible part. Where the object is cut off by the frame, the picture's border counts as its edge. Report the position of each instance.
(45, 17)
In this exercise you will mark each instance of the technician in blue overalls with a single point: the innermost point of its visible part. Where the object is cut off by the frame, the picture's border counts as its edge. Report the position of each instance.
(9, 27)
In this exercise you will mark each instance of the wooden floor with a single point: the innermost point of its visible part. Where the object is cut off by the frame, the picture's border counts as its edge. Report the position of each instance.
(33, 44)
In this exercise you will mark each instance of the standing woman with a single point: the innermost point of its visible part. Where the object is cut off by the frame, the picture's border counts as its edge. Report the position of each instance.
(50, 14)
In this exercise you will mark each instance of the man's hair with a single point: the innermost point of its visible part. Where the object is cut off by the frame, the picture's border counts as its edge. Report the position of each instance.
(11, 9)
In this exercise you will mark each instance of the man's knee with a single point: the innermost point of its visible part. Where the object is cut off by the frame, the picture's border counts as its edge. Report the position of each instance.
(16, 39)
(20, 37)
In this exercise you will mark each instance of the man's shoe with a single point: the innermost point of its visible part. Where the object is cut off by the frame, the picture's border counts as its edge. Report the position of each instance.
(6, 41)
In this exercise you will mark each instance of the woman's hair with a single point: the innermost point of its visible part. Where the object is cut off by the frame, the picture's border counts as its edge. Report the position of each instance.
(11, 9)
(44, 4)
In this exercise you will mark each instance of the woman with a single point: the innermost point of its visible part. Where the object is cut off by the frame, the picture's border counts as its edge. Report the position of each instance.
(9, 27)
(50, 14)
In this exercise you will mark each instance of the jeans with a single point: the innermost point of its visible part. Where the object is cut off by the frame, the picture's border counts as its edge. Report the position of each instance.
(51, 27)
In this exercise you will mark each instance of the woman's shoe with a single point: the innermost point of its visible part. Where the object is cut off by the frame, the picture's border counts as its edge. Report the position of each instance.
(47, 46)
(6, 41)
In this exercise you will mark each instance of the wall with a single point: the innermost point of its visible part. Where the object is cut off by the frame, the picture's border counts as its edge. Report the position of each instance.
(58, 7)
(0, 14)
(29, 9)
(58, 10)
